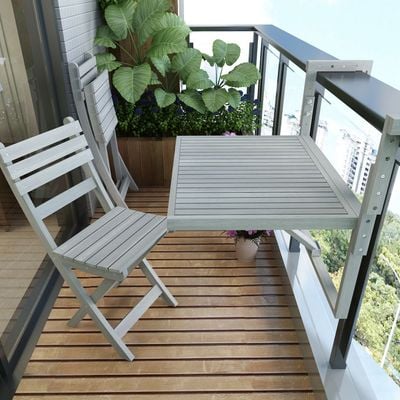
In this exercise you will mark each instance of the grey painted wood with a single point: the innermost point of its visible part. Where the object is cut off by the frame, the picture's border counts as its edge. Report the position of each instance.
(109, 248)
(76, 25)
(256, 182)
(95, 107)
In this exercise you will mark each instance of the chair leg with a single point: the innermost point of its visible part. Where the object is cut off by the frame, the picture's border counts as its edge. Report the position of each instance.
(99, 319)
(155, 280)
(116, 158)
(104, 155)
(99, 293)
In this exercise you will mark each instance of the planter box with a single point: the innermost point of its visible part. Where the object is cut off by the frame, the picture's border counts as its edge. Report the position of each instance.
(149, 160)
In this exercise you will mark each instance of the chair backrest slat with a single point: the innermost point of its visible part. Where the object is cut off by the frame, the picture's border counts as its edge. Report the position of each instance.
(101, 107)
(47, 175)
(28, 146)
(63, 199)
(88, 65)
(46, 157)
(87, 78)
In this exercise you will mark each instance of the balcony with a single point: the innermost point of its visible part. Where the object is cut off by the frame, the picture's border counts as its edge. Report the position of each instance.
(268, 329)
(236, 333)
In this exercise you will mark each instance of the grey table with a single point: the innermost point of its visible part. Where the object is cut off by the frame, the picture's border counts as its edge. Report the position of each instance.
(256, 182)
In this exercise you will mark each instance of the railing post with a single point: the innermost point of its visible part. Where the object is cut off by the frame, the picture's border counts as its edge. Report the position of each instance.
(261, 84)
(316, 114)
(280, 94)
(346, 327)
(253, 51)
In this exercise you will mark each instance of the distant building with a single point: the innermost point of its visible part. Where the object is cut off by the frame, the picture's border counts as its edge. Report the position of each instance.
(358, 160)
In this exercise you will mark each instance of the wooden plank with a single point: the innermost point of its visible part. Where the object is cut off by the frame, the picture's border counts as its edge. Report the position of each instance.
(182, 396)
(56, 203)
(205, 352)
(151, 158)
(188, 312)
(20, 149)
(179, 367)
(40, 178)
(78, 238)
(47, 156)
(166, 384)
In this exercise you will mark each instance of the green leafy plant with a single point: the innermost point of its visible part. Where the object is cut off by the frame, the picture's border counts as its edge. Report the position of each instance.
(202, 93)
(145, 119)
(105, 3)
(154, 33)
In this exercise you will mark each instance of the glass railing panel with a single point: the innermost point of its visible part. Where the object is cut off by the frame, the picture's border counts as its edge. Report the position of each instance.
(271, 77)
(378, 327)
(293, 98)
(24, 111)
(348, 141)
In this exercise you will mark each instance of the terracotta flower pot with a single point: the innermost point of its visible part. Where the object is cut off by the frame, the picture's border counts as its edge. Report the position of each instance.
(246, 249)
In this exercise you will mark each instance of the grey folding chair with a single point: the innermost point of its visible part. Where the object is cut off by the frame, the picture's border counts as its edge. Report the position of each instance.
(95, 107)
(109, 248)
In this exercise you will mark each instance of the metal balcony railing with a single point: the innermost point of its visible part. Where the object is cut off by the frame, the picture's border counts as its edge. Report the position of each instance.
(367, 96)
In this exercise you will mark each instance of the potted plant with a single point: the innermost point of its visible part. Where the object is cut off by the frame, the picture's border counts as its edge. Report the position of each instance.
(247, 242)
(163, 91)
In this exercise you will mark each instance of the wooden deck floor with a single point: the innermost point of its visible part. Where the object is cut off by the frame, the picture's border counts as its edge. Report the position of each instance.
(235, 335)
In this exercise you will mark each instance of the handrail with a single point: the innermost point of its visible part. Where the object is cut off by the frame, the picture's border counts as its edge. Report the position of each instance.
(377, 103)
(369, 97)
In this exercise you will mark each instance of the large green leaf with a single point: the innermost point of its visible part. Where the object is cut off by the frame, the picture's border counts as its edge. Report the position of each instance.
(193, 99)
(186, 62)
(154, 79)
(232, 53)
(106, 61)
(234, 97)
(219, 52)
(119, 18)
(146, 16)
(105, 37)
(167, 41)
(163, 98)
(243, 75)
(162, 64)
(209, 59)
(214, 99)
(199, 80)
(170, 20)
(132, 82)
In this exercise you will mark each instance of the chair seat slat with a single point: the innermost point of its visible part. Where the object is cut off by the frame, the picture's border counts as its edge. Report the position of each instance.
(29, 146)
(40, 178)
(137, 252)
(125, 240)
(130, 246)
(78, 238)
(46, 157)
(104, 235)
(56, 203)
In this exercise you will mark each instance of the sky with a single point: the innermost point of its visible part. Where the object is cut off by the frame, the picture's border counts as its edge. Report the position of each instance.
(346, 29)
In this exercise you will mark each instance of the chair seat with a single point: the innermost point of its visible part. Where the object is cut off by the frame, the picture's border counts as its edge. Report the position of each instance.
(115, 243)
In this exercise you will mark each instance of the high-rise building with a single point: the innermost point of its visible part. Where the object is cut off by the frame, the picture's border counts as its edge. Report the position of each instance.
(358, 160)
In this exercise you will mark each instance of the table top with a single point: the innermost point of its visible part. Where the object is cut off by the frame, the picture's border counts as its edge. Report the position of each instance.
(256, 182)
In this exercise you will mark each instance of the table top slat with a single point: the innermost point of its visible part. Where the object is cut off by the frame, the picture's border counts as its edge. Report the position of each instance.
(256, 182)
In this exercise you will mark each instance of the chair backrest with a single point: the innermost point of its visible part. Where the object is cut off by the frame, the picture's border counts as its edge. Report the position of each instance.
(34, 162)
(100, 106)
(80, 76)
